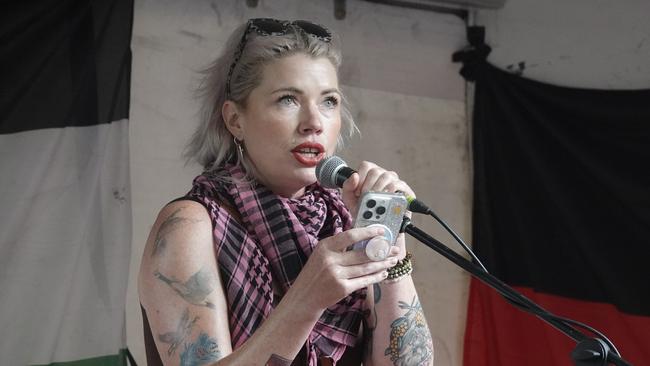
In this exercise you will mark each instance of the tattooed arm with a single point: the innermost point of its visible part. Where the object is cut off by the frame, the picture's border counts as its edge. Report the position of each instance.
(184, 299)
(182, 293)
(395, 329)
(180, 288)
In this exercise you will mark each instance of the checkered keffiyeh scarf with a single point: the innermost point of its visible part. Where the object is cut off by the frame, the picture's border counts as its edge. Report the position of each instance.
(277, 238)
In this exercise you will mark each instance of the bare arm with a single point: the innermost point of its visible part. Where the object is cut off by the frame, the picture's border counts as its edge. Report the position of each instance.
(182, 293)
(395, 330)
(400, 334)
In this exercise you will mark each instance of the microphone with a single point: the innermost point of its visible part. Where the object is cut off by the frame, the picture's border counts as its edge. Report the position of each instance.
(332, 171)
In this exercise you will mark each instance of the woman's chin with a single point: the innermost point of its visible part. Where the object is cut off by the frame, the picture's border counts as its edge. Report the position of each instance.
(304, 179)
(309, 177)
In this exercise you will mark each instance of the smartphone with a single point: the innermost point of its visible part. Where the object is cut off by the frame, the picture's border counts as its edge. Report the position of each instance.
(386, 210)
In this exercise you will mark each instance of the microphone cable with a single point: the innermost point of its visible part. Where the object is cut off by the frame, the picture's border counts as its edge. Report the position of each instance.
(419, 207)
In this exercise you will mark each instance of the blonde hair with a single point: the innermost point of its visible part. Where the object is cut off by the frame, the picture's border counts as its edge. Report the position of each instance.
(212, 145)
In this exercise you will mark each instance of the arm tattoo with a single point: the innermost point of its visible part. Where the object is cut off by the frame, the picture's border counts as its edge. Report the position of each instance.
(368, 332)
(183, 329)
(170, 224)
(376, 290)
(205, 350)
(196, 289)
(276, 360)
(368, 329)
(410, 339)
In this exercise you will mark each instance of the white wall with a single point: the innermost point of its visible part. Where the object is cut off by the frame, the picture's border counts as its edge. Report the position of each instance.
(407, 97)
(599, 44)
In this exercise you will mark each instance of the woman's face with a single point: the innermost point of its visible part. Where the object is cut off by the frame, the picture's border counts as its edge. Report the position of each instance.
(291, 121)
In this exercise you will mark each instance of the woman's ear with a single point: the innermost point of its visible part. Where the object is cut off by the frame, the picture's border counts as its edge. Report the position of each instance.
(231, 114)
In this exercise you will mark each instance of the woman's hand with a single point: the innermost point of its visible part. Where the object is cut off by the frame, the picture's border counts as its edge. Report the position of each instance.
(371, 177)
(332, 272)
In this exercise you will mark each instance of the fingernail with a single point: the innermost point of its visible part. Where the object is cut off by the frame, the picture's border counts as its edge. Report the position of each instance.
(393, 261)
(384, 274)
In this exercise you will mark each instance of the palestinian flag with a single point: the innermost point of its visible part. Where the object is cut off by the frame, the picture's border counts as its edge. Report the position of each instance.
(562, 214)
(65, 215)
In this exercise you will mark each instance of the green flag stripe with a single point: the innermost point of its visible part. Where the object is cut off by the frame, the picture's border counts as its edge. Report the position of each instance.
(111, 360)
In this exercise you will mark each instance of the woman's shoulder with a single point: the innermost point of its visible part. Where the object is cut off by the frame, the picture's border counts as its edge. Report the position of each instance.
(189, 205)
(178, 244)
(197, 219)
(184, 223)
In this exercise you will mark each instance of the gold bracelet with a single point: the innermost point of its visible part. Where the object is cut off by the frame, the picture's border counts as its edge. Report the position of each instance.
(404, 267)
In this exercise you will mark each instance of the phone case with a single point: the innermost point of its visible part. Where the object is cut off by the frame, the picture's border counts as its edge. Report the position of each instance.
(385, 209)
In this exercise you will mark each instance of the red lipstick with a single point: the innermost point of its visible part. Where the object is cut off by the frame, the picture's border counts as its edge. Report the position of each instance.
(309, 153)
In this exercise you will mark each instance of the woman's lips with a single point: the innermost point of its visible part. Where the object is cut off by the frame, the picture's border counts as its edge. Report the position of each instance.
(309, 153)
(308, 161)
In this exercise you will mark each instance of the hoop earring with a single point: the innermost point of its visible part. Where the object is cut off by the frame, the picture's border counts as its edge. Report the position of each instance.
(240, 150)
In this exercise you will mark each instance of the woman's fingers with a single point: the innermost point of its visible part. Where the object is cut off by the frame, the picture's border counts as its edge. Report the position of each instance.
(377, 179)
(368, 268)
(350, 184)
(361, 282)
(359, 256)
(384, 180)
(341, 241)
(364, 168)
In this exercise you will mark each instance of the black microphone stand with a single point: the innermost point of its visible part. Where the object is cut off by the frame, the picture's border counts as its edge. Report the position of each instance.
(588, 351)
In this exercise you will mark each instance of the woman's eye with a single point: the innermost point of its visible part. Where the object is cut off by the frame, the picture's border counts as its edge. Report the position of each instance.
(287, 100)
(331, 102)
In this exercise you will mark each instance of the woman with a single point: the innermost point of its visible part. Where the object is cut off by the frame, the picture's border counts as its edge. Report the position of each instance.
(251, 266)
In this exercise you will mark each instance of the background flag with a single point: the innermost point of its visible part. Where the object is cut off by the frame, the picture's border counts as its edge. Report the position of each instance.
(561, 213)
(65, 215)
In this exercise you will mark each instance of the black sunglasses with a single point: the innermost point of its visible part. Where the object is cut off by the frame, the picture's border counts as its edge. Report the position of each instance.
(274, 27)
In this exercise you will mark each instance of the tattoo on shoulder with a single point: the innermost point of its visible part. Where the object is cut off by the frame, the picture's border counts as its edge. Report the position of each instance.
(183, 329)
(410, 339)
(196, 289)
(171, 223)
(276, 360)
(205, 350)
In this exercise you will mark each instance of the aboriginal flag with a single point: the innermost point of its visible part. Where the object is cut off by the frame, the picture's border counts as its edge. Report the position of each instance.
(65, 212)
(562, 214)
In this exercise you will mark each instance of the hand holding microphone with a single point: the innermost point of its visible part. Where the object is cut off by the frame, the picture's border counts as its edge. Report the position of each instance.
(384, 201)
(333, 172)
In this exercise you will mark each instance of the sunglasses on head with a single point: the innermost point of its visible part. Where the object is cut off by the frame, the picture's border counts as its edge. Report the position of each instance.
(274, 27)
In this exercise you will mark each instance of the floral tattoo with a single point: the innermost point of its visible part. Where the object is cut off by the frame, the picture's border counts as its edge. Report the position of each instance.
(183, 329)
(201, 352)
(410, 339)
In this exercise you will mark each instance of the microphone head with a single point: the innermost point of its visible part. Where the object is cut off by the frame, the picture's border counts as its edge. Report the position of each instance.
(326, 171)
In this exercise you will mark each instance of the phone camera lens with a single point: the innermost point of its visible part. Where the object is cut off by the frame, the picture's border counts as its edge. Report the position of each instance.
(381, 210)
(371, 203)
(367, 215)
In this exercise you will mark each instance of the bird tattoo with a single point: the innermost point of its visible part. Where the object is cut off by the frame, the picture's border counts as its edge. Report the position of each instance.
(195, 290)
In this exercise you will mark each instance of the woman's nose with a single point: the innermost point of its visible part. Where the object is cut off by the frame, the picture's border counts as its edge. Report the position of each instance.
(310, 120)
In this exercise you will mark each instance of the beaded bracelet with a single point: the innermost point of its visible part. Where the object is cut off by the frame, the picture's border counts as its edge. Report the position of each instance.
(404, 267)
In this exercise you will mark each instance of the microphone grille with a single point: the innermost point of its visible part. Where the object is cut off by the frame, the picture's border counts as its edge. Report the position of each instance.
(326, 171)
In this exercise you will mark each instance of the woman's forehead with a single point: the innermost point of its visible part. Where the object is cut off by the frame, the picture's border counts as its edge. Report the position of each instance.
(299, 71)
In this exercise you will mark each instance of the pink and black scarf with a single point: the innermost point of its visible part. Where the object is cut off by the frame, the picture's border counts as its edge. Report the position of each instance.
(277, 238)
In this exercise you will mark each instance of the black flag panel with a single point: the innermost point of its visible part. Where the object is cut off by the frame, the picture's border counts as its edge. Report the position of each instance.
(64, 63)
(562, 213)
